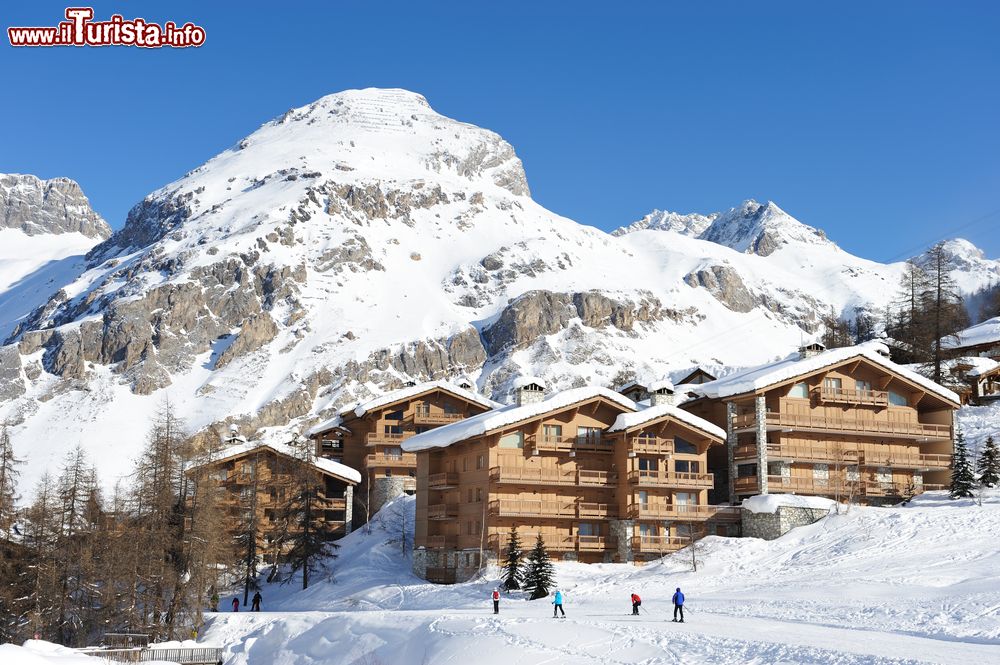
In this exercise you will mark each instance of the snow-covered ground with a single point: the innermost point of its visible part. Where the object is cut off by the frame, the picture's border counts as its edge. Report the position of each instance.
(919, 583)
(39, 652)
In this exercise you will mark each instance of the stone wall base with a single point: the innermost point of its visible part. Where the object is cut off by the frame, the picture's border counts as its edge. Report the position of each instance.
(769, 526)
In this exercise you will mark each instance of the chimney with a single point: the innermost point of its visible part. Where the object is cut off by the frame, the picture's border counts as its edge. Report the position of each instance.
(661, 392)
(810, 350)
(529, 390)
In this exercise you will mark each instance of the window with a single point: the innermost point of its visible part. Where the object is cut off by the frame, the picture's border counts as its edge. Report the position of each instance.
(648, 529)
(394, 415)
(587, 529)
(746, 470)
(588, 434)
(684, 446)
(552, 432)
(832, 383)
(450, 408)
(394, 453)
(643, 498)
(481, 461)
(420, 429)
(388, 473)
(647, 464)
(393, 429)
(245, 467)
(800, 390)
(775, 468)
(465, 464)
(479, 494)
(470, 494)
(863, 386)
(687, 466)
(898, 399)
(686, 499)
(512, 440)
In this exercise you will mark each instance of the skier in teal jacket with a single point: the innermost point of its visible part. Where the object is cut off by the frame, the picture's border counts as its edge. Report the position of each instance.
(557, 605)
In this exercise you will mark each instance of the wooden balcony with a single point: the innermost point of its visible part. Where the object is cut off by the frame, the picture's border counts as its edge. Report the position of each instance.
(442, 511)
(646, 478)
(497, 542)
(405, 460)
(567, 509)
(884, 429)
(425, 416)
(684, 512)
(658, 544)
(560, 444)
(650, 445)
(595, 543)
(442, 481)
(537, 476)
(442, 542)
(386, 438)
(878, 398)
(906, 460)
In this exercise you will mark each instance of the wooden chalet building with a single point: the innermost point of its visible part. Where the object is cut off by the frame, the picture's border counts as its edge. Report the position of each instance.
(368, 436)
(975, 370)
(600, 477)
(257, 479)
(845, 424)
(981, 340)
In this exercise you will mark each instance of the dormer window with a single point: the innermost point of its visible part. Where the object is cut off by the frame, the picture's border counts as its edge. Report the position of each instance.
(800, 390)
(898, 399)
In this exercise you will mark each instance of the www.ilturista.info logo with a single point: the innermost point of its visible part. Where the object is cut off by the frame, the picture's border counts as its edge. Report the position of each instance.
(81, 30)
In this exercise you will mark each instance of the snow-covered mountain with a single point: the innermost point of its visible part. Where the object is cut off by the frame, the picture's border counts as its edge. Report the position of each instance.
(366, 240)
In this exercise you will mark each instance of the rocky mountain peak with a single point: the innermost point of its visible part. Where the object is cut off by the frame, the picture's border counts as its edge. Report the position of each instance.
(762, 229)
(692, 224)
(55, 206)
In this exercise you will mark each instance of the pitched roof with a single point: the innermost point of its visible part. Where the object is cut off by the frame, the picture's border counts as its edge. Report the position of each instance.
(327, 466)
(627, 421)
(764, 376)
(359, 409)
(444, 436)
(987, 332)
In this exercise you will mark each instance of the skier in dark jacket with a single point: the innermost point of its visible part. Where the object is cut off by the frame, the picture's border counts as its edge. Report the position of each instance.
(678, 605)
(255, 606)
(636, 602)
(236, 604)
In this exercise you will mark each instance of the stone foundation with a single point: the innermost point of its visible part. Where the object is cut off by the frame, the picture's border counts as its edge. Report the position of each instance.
(769, 526)
(385, 489)
(463, 565)
(621, 531)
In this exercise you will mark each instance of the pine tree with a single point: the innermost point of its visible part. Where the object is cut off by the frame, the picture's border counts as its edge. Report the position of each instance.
(945, 311)
(989, 464)
(512, 575)
(962, 478)
(8, 483)
(540, 575)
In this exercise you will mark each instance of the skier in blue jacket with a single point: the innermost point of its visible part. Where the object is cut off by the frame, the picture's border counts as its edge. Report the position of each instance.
(557, 605)
(678, 605)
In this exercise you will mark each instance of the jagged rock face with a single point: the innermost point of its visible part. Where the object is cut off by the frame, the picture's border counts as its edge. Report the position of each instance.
(761, 229)
(692, 224)
(725, 285)
(37, 207)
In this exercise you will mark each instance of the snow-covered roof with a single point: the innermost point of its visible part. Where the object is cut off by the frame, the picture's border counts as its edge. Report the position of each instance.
(769, 503)
(361, 408)
(412, 391)
(522, 381)
(764, 376)
(630, 385)
(327, 465)
(661, 384)
(627, 421)
(987, 332)
(979, 365)
(446, 435)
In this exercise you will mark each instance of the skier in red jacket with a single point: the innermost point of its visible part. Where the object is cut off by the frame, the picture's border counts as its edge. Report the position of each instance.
(496, 601)
(636, 602)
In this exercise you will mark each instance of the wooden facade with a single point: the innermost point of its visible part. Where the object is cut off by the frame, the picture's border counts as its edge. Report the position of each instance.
(257, 482)
(369, 438)
(593, 494)
(855, 429)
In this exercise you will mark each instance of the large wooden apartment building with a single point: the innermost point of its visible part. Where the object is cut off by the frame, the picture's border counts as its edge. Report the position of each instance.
(257, 478)
(368, 436)
(843, 423)
(600, 477)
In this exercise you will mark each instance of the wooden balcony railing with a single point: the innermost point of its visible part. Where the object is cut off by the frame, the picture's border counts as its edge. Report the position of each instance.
(442, 511)
(809, 422)
(405, 460)
(442, 481)
(550, 509)
(424, 416)
(538, 476)
(906, 460)
(386, 438)
(497, 542)
(442, 542)
(569, 443)
(847, 456)
(653, 511)
(650, 445)
(671, 479)
(847, 396)
(658, 544)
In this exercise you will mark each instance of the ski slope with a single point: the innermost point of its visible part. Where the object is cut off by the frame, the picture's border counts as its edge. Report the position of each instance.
(912, 584)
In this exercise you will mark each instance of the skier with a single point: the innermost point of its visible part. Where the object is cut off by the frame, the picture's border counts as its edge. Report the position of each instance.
(678, 605)
(496, 600)
(236, 604)
(255, 607)
(636, 602)
(557, 605)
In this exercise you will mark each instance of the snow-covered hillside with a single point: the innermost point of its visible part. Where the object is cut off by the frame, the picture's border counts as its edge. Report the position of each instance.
(365, 240)
(907, 584)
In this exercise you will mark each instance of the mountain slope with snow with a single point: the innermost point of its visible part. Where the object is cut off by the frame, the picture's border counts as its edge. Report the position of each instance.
(364, 241)
(905, 584)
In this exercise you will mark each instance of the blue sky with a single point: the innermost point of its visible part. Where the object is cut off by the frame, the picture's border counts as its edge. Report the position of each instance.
(877, 122)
